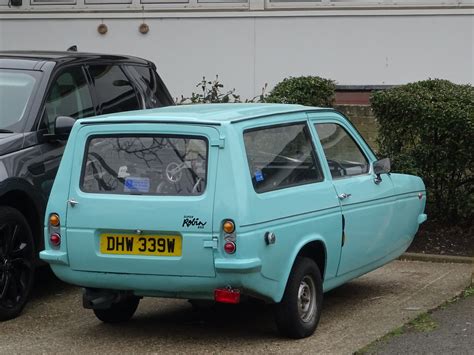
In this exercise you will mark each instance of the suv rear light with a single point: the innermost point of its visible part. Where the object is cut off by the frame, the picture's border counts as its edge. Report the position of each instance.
(55, 239)
(227, 295)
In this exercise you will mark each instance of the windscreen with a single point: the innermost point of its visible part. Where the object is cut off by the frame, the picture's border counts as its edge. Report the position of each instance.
(145, 165)
(16, 89)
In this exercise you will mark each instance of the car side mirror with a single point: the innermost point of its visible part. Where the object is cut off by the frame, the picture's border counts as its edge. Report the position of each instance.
(62, 128)
(381, 166)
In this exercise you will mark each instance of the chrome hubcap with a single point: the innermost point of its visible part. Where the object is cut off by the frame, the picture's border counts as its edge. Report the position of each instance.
(307, 299)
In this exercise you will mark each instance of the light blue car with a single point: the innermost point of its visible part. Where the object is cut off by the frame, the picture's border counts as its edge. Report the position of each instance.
(224, 202)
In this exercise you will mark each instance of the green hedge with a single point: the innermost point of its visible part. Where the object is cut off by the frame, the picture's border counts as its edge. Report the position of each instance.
(427, 129)
(304, 90)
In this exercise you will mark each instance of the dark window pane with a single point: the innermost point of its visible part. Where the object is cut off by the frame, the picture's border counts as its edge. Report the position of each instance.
(155, 91)
(69, 96)
(145, 165)
(343, 154)
(281, 156)
(17, 87)
(113, 89)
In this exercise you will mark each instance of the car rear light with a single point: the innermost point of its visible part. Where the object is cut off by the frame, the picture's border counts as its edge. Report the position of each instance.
(228, 226)
(230, 247)
(227, 295)
(54, 220)
(55, 239)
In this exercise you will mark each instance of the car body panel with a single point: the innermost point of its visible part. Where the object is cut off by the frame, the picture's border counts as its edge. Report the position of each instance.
(369, 210)
(128, 213)
(302, 215)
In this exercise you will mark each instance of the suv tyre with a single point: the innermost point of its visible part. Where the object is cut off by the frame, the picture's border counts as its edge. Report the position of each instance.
(17, 254)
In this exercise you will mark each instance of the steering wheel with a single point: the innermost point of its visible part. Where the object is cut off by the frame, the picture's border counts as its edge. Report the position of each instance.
(334, 167)
(174, 171)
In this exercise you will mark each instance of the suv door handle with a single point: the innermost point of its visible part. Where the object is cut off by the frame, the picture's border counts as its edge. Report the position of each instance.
(343, 196)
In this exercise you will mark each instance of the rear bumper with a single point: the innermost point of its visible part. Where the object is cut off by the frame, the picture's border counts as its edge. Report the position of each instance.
(244, 275)
(54, 257)
(422, 218)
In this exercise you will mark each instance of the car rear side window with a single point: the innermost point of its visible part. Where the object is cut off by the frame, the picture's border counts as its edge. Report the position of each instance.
(281, 156)
(145, 165)
(115, 92)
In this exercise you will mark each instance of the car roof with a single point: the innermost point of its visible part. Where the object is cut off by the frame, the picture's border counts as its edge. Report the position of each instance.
(213, 114)
(66, 56)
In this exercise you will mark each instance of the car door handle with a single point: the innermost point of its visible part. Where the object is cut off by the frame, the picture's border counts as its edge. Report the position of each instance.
(72, 202)
(343, 196)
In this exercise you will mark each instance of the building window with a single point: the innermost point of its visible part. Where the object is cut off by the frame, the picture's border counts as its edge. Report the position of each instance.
(100, 2)
(53, 2)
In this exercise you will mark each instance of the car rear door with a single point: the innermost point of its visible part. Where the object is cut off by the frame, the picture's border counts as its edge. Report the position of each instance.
(141, 199)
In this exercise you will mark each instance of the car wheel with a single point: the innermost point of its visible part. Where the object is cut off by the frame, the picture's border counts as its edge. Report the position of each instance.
(121, 311)
(298, 313)
(17, 255)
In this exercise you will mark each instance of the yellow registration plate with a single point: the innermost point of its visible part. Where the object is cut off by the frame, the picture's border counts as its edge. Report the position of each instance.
(134, 244)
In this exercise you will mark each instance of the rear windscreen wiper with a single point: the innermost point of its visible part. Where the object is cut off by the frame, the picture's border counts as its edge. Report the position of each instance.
(5, 131)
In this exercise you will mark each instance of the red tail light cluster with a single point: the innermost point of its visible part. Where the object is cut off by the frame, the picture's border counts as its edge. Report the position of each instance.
(230, 237)
(54, 229)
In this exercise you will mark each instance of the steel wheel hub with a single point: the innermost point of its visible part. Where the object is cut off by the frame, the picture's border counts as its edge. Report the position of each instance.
(307, 299)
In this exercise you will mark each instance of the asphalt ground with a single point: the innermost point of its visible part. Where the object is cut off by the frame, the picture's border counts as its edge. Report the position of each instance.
(354, 315)
(447, 330)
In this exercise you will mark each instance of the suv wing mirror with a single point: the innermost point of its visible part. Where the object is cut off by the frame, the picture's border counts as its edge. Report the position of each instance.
(381, 166)
(62, 128)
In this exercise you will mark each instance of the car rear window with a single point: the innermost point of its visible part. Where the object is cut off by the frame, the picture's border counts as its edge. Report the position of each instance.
(145, 165)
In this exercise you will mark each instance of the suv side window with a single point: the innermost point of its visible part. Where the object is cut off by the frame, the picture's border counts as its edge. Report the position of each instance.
(114, 91)
(155, 91)
(69, 95)
(344, 156)
(281, 156)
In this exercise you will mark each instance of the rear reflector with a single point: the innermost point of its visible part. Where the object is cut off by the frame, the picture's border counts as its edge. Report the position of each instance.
(227, 295)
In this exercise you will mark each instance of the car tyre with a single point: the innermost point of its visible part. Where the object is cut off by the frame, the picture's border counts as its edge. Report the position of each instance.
(17, 256)
(298, 313)
(121, 311)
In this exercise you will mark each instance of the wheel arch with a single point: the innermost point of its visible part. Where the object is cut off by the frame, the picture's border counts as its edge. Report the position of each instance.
(313, 247)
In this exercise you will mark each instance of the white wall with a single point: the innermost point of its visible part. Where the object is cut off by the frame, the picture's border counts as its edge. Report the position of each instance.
(248, 51)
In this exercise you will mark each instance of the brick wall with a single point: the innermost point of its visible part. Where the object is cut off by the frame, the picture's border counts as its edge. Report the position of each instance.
(363, 118)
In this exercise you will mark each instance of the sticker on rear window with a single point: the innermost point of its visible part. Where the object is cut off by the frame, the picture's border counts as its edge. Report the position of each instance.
(258, 175)
(137, 184)
(122, 173)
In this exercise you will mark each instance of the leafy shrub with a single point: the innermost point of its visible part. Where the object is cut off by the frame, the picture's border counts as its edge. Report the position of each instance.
(211, 93)
(427, 129)
(304, 90)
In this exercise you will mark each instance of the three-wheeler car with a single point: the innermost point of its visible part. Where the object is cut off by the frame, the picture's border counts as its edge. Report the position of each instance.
(224, 202)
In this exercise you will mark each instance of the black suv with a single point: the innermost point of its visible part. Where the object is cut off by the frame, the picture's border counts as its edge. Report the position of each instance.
(40, 94)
